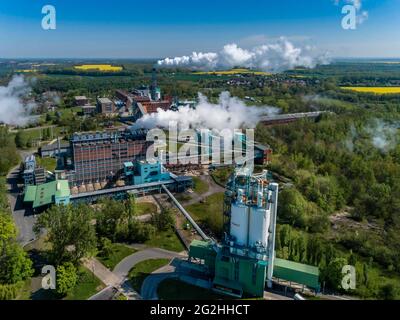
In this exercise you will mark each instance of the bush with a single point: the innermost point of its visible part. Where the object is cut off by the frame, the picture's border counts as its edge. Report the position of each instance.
(66, 278)
(8, 291)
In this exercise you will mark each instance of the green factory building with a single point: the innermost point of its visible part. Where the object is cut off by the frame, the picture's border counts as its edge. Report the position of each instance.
(239, 275)
(44, 195)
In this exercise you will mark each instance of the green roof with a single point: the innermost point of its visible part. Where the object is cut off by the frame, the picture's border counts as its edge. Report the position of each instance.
(62, 188)
(30, 194)
(44, 194)
(200, 244)
(297, 272)
(296, 266)
(128, 164)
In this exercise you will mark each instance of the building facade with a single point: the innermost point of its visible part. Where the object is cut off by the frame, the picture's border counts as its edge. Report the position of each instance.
(101, 156)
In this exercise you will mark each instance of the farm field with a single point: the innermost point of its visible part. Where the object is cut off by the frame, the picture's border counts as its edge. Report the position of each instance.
(100, 67)
(376, 90)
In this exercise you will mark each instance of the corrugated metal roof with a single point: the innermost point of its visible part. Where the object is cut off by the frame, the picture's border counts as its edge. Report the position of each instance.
(30, 194)
(44, 194)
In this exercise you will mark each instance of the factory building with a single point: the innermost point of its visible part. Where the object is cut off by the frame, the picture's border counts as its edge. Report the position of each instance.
(244, 263)
(81, 101)
(32, 173)
(148, 107)
(145, 172)
(100, 157)
(89, 110)
(105, 106)
(44, 195)
(54, 149)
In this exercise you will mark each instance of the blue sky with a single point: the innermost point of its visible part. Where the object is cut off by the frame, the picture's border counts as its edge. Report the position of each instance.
(160, 28)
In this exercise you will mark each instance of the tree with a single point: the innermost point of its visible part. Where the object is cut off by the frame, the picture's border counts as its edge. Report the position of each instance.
(66, 278)
(110, 215)
(163, 220)
(19, 141)
(69, 230)
(389, 292)
(333, 273)
(15, 264)
(106, 246)
(7, 228)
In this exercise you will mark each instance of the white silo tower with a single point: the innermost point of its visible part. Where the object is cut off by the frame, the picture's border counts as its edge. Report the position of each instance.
(240, 220)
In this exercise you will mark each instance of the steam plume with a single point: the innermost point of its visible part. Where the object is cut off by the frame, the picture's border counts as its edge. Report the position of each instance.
(272, 57)
(228, 113)
(13, 111)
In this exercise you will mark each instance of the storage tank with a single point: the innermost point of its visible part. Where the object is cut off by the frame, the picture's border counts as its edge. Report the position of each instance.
(259, 225)
(259, 222)
(240, 220)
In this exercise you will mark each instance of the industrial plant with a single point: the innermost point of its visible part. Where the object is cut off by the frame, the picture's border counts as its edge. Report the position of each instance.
(244, 264)
(113, 163)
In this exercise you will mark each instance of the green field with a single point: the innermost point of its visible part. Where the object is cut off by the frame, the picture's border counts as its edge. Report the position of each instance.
(145, 208)
(167, 240)
(200, 186)
(119, 252)
(143, 269)
(88, 285)
(49, 164)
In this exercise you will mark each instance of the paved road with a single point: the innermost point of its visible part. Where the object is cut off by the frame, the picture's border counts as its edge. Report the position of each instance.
(122, 269)
(151, 283)
(113, 282)
(177, 269)
(117, 280)
(23, 219)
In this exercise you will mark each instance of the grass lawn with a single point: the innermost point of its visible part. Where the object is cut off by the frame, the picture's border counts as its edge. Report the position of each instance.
(118, 252)
(200, 186)
(25, 292)
(140, 271)
(49, 164)
(87, 285)
(145, 208)
(209, 212)
(172, 289)
(167, 240)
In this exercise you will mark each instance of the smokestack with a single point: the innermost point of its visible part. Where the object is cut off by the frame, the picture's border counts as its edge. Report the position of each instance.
(153, 87)
(58, 146)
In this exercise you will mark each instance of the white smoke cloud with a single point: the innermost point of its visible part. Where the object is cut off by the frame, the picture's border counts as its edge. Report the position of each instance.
(272, 57)
(362, 15)
(13, 111)
(383, 135)
(228, 113)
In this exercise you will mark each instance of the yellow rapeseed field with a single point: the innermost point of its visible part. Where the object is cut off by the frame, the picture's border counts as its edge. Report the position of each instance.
(376, 90)
(100, 67)
(234, 71)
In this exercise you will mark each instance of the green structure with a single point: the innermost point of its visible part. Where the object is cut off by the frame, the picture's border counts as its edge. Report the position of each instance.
(297, 272)
(54, 192)
(237, 275)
